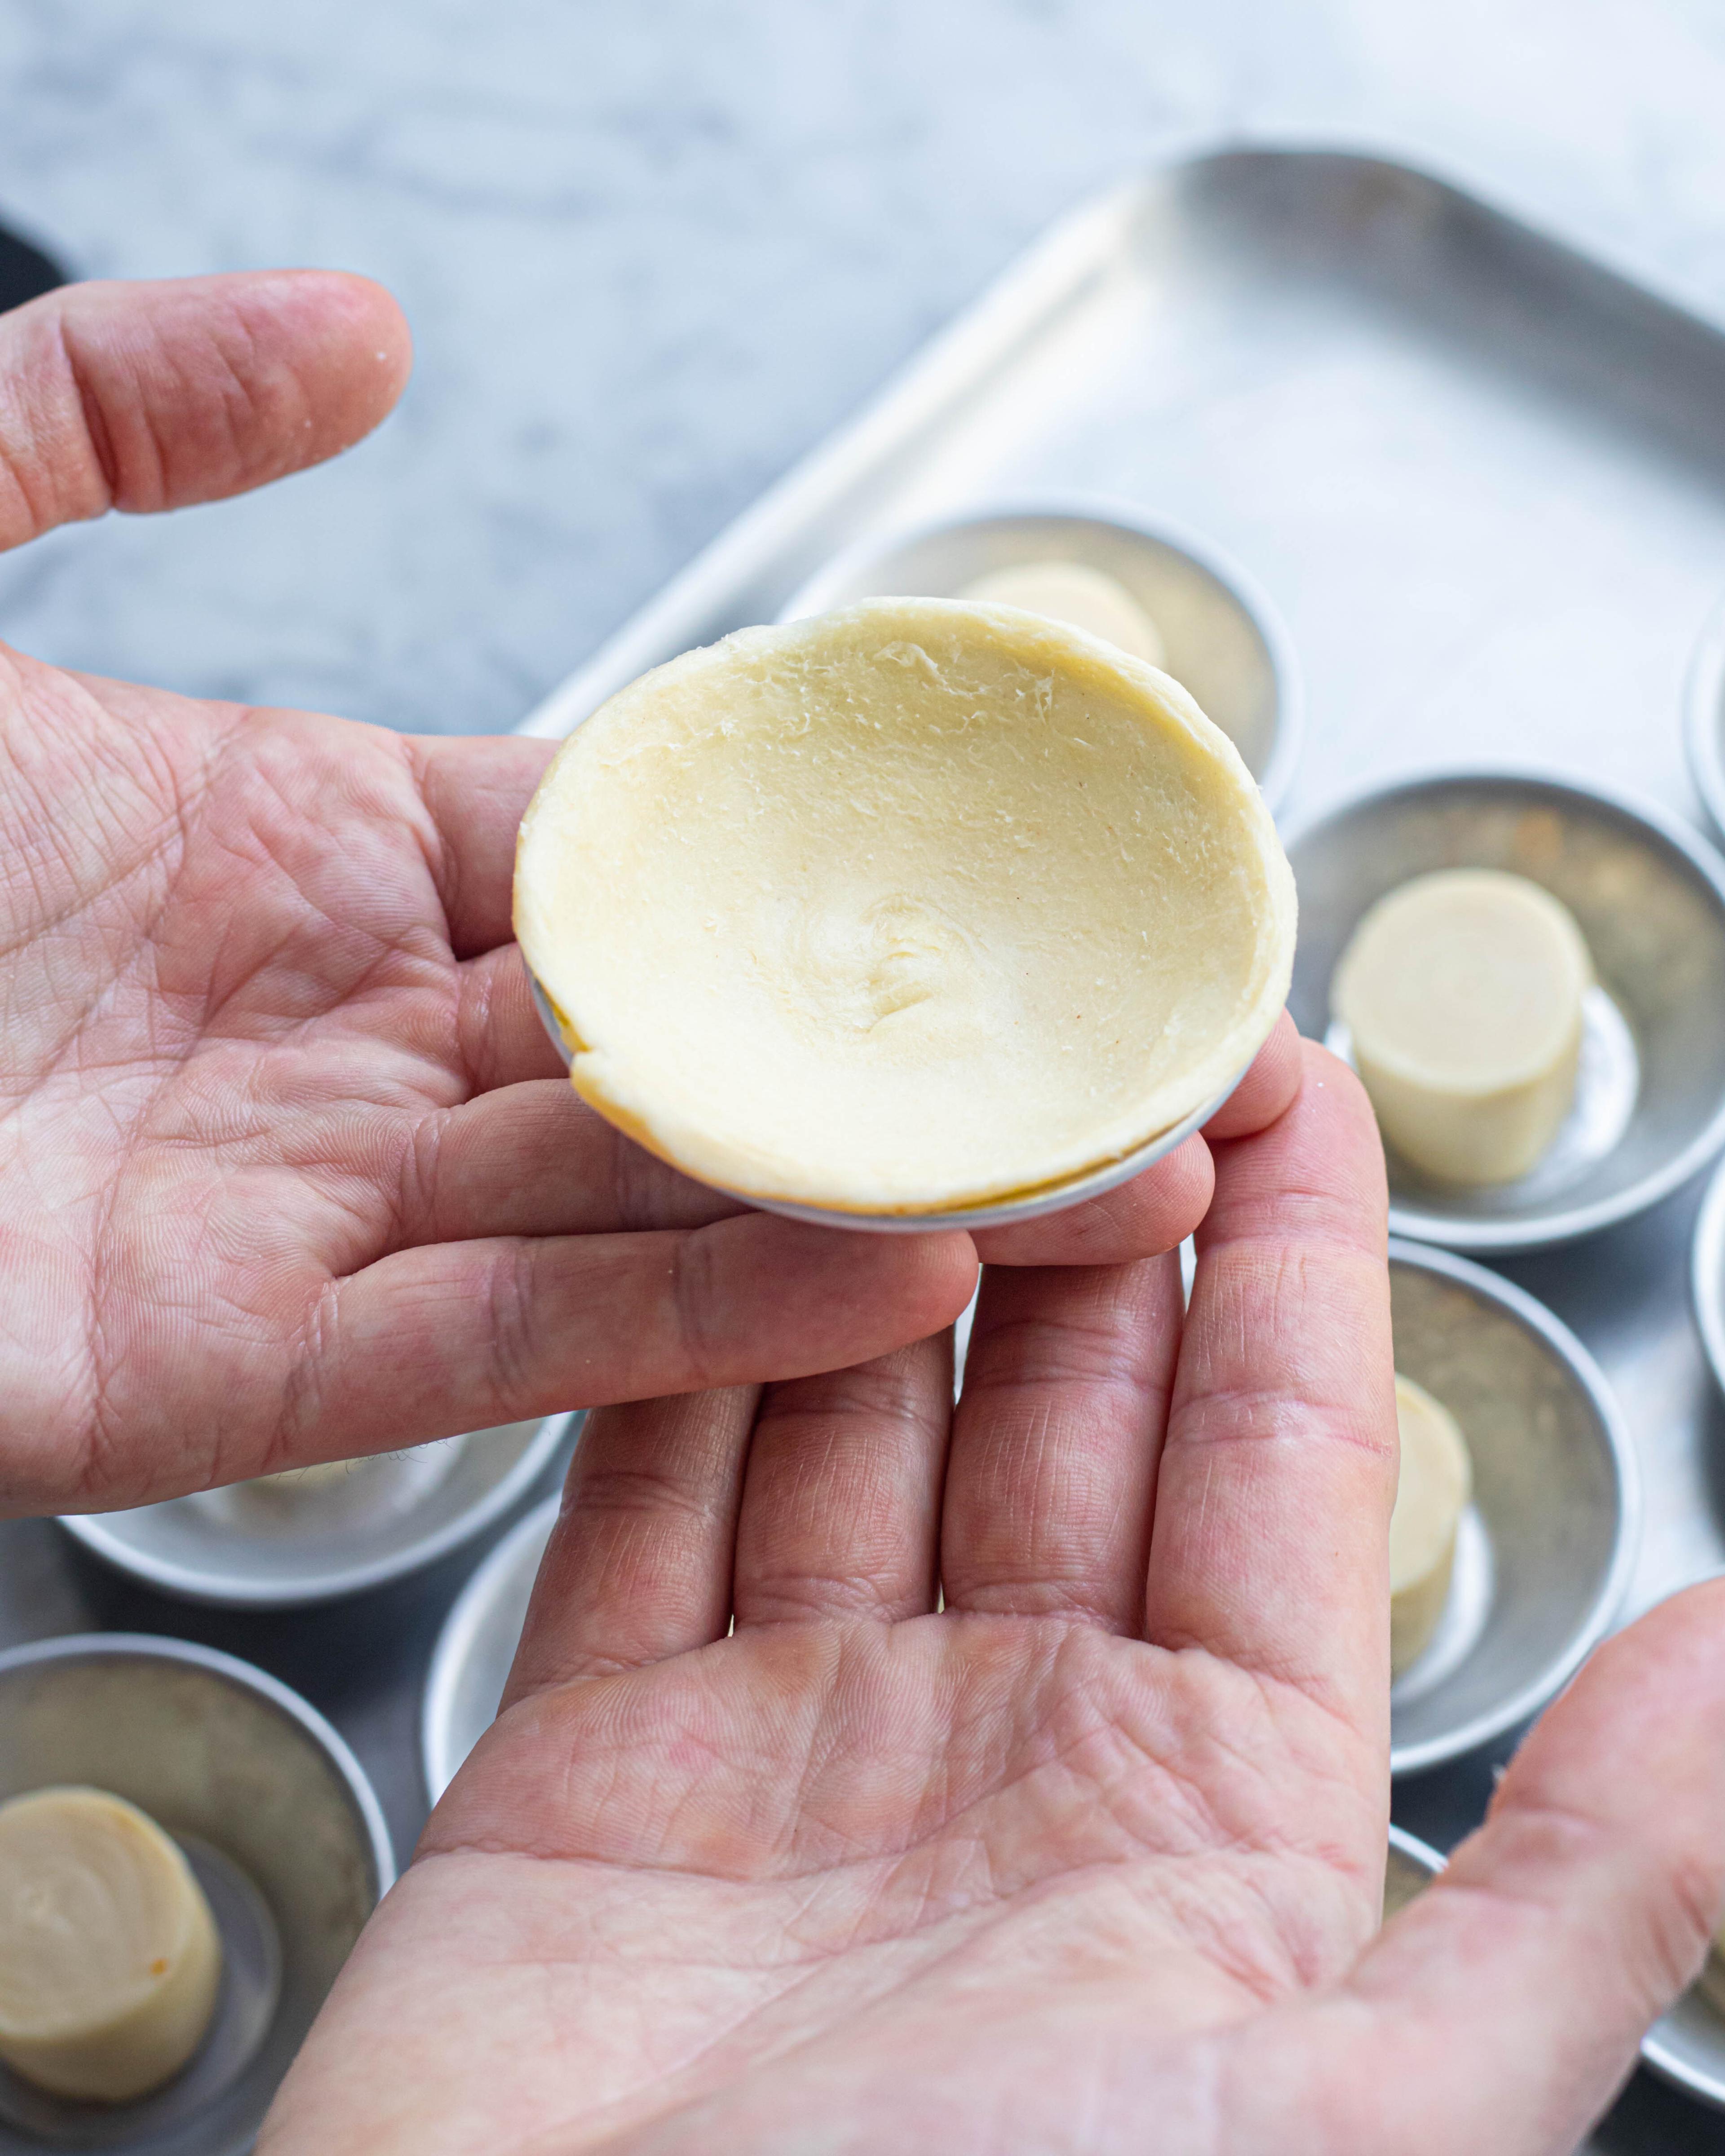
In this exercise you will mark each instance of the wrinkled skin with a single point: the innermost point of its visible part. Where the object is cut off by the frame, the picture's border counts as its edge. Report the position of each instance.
(1089, 1860)
(288, 1169)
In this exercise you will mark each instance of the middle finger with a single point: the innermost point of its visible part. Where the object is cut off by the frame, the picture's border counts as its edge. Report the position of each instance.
(1056, 1441)
(841, 1507)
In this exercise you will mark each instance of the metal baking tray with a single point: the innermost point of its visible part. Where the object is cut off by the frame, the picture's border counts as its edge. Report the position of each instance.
(1481, 473)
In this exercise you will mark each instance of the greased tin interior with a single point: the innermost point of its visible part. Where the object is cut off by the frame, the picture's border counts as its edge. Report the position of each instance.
(246, 1547)
(1704, 718)
(1413, 1865)
(476, 1647)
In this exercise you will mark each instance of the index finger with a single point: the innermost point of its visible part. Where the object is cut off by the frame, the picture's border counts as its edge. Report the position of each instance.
(1272, 1510)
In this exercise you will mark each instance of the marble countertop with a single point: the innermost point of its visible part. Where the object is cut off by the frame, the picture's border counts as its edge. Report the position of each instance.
(651, 256)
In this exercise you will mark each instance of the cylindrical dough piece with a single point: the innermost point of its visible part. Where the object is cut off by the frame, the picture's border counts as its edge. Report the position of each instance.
(1463, 993)
(109, 1956)
(903, 909)
(1435, 1483)
(1083, 598)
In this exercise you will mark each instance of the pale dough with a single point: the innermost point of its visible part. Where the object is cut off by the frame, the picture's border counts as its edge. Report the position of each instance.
(1082, 597)
(109, 1954)
(1432, 1494)
(902, 909)
(1463, 993)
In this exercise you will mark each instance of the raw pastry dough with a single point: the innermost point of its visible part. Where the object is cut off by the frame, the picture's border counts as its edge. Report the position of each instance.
(1463, 993)
(109, 1955)
(1081, 597)
(903, 908)
(1435, 1484)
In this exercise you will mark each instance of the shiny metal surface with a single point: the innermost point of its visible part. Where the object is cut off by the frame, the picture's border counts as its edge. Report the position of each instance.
(1053, 1198)
(1686, 2045)
(1549, 1543)
(476, 1646)
(1706, 1276)
(1704, 719)
(277, 1821)
(1222, 636)
(280, 1549)
(1413, 1864)
(1650, 898)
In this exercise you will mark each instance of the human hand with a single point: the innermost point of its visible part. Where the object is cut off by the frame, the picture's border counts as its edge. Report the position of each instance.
(1080, 1863)
(288, 1169)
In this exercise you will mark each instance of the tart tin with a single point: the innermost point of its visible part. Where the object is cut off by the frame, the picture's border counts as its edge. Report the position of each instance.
(1704, 719)
(1686, 2045)
(1051, 1198)
(278, 1547)
(1706, 1276)
(471, 1664)
(277, 1820)
(1547, 1545)
(1224, 639)
(1649, 897)
(1413, 1864)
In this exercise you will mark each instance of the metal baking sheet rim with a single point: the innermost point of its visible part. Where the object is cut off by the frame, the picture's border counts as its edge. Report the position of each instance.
(946, 366)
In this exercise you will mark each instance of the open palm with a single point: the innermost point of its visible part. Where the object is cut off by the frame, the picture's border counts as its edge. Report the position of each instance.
(288, 1170)
(1088, 1857)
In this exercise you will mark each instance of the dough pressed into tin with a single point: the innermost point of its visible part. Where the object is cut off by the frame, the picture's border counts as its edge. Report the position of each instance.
(903, 909)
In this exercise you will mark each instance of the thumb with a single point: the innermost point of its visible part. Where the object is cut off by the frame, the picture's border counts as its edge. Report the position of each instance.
(149, 395)
(1503, 2007)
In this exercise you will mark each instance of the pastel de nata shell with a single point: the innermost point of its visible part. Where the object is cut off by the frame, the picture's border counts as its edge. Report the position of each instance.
(903, 909)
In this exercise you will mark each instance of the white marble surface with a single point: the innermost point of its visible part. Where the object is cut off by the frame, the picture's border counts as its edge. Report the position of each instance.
(651, 254)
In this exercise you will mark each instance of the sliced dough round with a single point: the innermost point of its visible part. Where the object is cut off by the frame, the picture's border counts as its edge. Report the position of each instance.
(1431, 1494)
(903, 909)
(1081, 597)
(1463, 993)
(109, 1954)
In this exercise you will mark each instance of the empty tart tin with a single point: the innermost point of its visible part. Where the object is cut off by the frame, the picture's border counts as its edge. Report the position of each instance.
(1547, 1545)
(1704, 719)
(1413, 1865)
(1222, 637)
(276, 1818)
(1686, 2045)
(314, 1536)
(1650, 898)
(1707, 1275)
(470, 1664)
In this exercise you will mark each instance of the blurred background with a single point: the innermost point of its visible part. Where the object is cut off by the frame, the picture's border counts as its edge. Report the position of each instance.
(651, 255)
